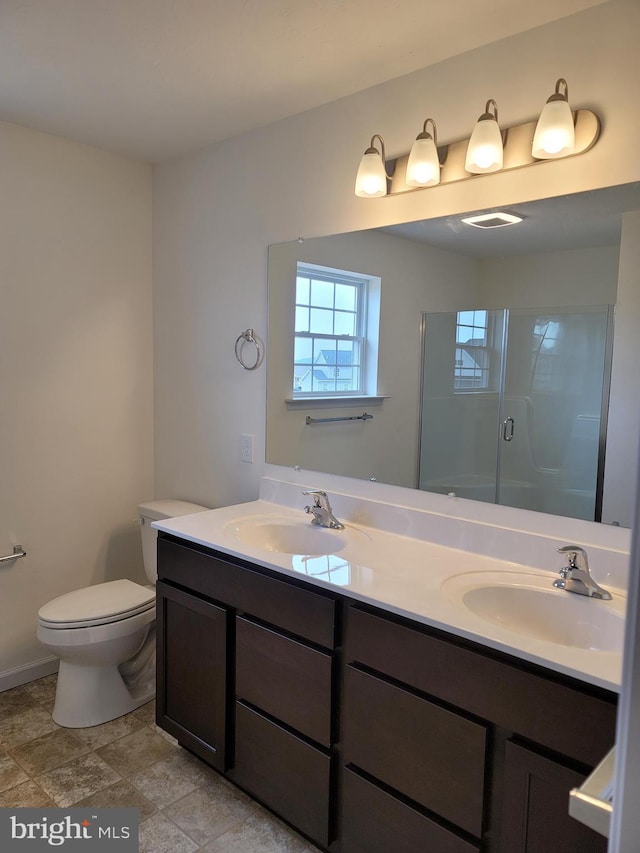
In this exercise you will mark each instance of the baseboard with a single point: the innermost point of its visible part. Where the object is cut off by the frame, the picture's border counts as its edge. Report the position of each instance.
(28, 672)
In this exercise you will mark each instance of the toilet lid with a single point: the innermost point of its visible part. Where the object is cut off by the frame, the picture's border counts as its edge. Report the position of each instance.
(98, 604)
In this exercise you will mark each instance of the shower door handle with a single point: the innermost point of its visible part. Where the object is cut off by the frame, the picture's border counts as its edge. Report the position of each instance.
(507, 429)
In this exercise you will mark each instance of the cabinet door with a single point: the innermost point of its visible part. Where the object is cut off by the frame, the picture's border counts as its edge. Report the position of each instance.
(536, 807)
(192, 672)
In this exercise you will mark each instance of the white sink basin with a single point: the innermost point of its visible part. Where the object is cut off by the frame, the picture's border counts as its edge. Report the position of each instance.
(527, 604)
(288, 537)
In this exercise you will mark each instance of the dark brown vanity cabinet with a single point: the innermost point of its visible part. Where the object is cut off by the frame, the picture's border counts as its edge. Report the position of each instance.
(368, 732)
(475, 750)
(246, 671)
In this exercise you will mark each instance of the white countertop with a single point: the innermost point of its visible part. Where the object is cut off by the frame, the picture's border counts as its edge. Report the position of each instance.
(401, 575)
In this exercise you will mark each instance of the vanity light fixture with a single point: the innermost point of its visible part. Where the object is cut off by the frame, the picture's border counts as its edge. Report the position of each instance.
(485, 149)
(493, 220)
(555, 131)
(558, 132)
(423, 166)
(371, 180)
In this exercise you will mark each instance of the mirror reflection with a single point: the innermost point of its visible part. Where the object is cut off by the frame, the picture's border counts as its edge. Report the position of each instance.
(488, 361)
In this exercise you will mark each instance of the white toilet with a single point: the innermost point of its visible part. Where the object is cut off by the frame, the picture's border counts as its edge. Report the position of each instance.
(104, 636)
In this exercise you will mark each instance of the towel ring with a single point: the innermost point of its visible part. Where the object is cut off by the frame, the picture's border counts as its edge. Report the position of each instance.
(249, 337)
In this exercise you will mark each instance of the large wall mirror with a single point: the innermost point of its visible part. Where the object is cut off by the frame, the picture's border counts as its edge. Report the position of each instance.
(500, 364)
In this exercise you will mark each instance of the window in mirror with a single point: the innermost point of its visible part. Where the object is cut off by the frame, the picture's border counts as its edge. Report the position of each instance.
(472, 360)
(330, 333)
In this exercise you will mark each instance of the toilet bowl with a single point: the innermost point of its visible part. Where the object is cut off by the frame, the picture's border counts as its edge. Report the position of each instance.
(104, 635)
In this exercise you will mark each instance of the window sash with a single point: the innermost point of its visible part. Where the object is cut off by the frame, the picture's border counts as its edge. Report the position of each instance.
(332, 384)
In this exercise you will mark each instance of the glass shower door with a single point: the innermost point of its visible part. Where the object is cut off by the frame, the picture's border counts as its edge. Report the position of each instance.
(553, 412)
(461, 378)
(514, 407)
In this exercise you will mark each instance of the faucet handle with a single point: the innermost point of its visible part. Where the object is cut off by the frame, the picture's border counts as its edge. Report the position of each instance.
(576, 553)
(318, 496)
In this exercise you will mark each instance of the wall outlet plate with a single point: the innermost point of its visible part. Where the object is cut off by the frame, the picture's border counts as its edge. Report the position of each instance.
(246, 447)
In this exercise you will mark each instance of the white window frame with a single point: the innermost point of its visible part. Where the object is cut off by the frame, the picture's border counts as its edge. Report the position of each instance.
(482, 373)
(362, 283)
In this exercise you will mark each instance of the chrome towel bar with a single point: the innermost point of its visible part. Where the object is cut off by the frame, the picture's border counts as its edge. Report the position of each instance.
(363, 417)
(18, 551)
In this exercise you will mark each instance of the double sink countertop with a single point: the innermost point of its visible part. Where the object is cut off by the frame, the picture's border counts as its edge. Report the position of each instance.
(499, 604)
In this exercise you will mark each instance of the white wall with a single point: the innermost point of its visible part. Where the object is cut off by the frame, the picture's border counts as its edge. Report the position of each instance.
(414, 278)
(75, 375)
(216, 212)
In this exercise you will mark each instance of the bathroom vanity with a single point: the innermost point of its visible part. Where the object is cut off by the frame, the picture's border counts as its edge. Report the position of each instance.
(365, 729)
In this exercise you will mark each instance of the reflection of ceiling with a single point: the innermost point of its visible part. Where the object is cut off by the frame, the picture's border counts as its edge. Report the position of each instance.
(566, 222)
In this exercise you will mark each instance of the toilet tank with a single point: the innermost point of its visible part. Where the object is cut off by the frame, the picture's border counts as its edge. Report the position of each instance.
(154, 511)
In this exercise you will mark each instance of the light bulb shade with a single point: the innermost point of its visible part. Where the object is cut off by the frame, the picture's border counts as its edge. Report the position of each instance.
(485, 149)
(423, 165)
(371, 180)
(555, 132)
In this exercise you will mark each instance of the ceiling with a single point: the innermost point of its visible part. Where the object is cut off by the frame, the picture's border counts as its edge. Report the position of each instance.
(155, 79)
(577, 221)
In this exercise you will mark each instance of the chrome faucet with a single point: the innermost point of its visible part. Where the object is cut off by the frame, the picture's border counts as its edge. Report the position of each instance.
(321, 510)
(576, 576)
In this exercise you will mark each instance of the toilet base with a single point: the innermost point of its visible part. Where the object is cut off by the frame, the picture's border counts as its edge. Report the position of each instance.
(91, 695)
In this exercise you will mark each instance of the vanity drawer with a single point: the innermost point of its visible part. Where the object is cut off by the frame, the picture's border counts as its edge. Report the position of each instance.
(308, 614)
(374, 821)
(285, 678)
(429, 754)
(487, 684)
(284, 772)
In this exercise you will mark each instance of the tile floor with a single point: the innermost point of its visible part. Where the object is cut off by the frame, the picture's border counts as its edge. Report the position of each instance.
(184, 806)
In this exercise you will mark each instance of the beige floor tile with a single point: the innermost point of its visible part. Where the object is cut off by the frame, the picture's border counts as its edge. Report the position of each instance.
(44, 689)
(146, 713)
(77, 780)
(259, 834)
(15, 701)
(26, 795)
(11, 774)
(135, 751)
(49, 751)
(121, 794)
(96, 736)
(28, 725)
(210, 811)
(165, 735)
(169, 780)
(160, 835)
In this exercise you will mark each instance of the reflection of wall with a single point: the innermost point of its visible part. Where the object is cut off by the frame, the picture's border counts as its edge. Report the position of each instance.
(419, 278)
(550, 279)
(624, 410)
(414, 278)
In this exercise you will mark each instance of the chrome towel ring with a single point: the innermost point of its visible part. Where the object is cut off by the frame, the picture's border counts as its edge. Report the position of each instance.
(248, 337)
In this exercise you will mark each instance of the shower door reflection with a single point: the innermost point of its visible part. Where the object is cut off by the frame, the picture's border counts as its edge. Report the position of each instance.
(514, 407)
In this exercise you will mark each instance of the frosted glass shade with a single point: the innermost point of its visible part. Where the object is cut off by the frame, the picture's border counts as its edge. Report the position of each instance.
(555, 132)
(484, 152)
(423, 166)
(371, 180)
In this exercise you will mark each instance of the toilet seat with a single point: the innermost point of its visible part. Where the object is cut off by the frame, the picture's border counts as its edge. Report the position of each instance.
(100, 604)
